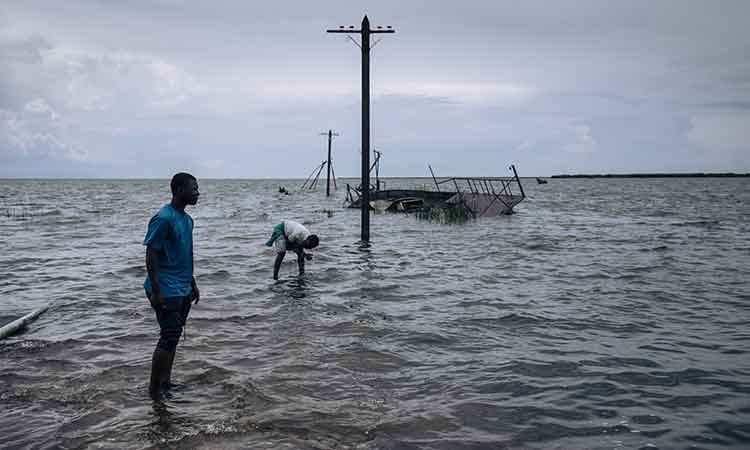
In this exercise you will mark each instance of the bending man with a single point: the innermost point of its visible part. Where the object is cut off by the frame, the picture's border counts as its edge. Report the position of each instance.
(293, 236)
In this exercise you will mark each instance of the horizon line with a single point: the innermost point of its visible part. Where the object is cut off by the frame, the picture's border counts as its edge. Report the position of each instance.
(557, 176)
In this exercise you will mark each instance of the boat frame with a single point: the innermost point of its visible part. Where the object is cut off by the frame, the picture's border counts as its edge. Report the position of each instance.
(480, 196)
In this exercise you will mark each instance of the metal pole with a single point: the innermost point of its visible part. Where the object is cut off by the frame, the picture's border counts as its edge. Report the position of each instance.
(328, 178)
(365, 32)
(365, 129)
(320, 169)
(376, 165)
(513, 166)
(437, 186)
(308, 178)
(487, 189)
(377, 175)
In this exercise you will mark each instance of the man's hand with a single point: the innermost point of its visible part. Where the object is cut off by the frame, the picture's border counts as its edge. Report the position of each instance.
(157, 302)
(196, 295)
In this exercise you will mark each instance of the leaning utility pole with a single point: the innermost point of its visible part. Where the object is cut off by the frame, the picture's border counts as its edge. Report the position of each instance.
(330, 134)
(365, 31)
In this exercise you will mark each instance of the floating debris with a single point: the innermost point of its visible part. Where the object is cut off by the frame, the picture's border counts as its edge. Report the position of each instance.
(19, 324)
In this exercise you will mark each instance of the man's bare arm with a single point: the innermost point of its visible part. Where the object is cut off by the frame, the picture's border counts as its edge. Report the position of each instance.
(152, 267)
(277, 264)
(301, 260)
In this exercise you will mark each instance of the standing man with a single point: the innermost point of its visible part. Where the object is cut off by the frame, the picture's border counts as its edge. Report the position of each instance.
(291, 235)
(170, 285)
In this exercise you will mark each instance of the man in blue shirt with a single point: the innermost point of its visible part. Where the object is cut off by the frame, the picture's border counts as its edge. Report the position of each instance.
(170, 285)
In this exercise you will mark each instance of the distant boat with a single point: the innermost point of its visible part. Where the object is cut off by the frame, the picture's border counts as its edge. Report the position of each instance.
(541, 181)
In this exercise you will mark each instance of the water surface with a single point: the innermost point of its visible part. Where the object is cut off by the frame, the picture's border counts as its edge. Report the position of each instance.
(604, 314)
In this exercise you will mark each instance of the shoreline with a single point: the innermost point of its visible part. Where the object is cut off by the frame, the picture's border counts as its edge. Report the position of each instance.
(657, 175)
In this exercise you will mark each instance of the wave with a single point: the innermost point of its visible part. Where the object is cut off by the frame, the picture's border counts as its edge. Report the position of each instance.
(709, 224)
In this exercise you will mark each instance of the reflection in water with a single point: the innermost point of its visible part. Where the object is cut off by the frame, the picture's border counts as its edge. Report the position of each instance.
(162, 418)
(364, 257)
(298, 287)
(167, 424)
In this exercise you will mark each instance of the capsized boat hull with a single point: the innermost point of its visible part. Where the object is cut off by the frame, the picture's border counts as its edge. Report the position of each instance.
(430, 198)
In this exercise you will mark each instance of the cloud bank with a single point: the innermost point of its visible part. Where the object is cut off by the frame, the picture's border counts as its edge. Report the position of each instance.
(238, 89)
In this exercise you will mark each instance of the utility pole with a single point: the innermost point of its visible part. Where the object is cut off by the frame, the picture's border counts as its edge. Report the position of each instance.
(365, 33)
(330, 134)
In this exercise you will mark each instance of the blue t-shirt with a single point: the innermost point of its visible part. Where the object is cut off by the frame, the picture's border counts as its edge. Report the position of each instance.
(170, 233)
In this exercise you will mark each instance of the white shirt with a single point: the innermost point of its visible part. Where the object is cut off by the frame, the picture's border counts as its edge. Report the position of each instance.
(295, 232)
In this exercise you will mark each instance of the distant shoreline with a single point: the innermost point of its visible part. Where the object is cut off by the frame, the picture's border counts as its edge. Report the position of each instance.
(657, 175)
(526, 177)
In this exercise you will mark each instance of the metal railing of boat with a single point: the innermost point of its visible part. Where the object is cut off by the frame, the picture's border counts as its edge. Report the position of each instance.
(495, 187)
(492, 186)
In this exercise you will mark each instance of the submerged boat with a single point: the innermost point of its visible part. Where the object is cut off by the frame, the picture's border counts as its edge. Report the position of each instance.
(478, 196)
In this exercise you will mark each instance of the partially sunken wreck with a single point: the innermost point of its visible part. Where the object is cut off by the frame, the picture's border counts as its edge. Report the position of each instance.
(472, 196)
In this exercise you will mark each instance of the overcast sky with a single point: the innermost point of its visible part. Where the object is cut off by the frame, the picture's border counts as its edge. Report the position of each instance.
(243, 88)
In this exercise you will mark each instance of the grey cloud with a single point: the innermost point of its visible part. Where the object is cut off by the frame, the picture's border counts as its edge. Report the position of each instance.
(26, 51)
(727, 105)
(470, 86)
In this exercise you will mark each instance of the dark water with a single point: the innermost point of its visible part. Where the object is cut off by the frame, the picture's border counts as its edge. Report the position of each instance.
(605, 314)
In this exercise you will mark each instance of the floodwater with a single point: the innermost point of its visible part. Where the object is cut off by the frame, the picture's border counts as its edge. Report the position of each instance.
(605, 314)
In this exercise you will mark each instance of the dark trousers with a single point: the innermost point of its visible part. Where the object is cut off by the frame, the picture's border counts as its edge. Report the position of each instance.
(172, 320)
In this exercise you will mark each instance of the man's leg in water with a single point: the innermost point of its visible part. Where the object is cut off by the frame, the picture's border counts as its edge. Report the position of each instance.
(277, 264)
(184, 312)
(171, 321)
